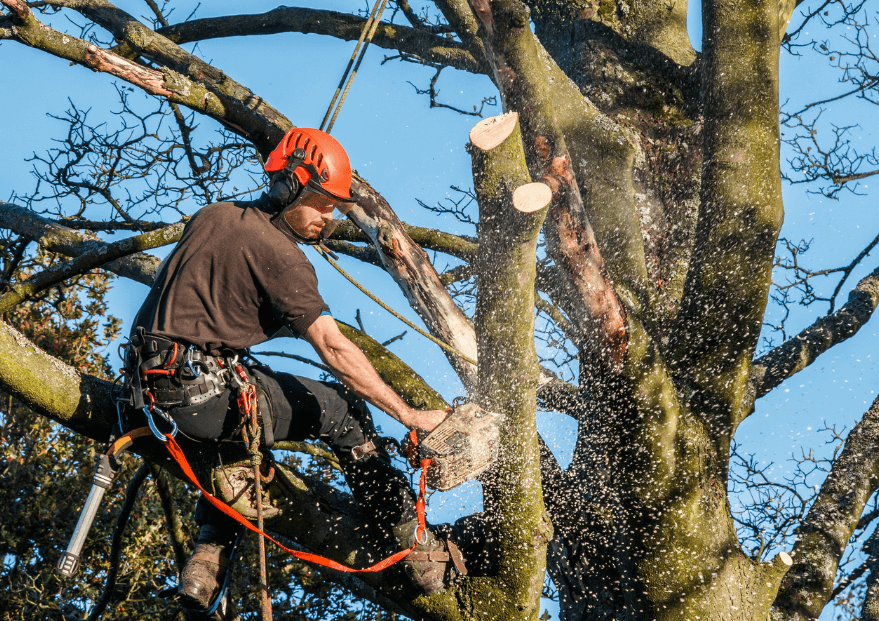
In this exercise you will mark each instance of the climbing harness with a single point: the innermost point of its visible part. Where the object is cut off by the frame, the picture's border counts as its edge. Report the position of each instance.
(367, 33)
(324, 253)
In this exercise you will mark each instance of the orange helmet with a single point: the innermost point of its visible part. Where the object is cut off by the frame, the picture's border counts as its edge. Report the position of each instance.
(320, 162)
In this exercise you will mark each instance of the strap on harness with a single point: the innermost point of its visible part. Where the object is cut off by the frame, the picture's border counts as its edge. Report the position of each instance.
(420, 505)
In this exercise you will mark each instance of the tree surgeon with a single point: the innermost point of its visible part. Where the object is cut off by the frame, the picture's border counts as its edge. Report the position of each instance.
(237, 278)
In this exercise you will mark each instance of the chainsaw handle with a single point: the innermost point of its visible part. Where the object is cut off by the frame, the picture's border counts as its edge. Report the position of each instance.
(104, 474)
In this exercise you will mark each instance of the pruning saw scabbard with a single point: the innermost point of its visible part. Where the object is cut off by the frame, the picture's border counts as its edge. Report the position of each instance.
(460, 448)
(104, 474)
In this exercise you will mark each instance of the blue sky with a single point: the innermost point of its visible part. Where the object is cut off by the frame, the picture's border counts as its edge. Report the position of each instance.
(409, 152)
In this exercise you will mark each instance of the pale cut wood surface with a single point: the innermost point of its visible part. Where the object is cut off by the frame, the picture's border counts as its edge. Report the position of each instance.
(491, 132)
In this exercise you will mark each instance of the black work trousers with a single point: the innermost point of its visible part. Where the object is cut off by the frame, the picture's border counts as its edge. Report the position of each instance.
(309, 409)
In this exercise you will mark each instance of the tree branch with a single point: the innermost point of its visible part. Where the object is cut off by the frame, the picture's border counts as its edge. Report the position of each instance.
(802, 350)
(86, 262)
(56, 238)
(870, 609)
(511, 215)
(727, 285)
(209, 92)
(824, 534)
(431, 48)
(462, 20)
(465, 248)
(519, 70)
(413, 272)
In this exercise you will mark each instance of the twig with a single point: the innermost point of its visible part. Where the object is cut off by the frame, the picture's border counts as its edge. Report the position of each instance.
(395, 338)
(320, 366)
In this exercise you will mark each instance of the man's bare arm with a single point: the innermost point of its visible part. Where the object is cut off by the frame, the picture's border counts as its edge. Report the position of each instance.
(353, 369)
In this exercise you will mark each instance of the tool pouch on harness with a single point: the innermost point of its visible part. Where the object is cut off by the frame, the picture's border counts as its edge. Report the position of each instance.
(194, 387)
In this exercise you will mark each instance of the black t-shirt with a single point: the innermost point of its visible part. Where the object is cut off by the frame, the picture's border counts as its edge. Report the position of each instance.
(233, 281)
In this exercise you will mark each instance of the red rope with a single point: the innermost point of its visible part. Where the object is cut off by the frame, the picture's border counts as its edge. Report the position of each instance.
(180, 458)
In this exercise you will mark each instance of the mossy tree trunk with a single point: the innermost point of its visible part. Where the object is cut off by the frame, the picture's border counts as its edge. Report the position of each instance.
(511, 213)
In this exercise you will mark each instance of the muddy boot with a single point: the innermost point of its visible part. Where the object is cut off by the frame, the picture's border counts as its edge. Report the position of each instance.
(202, 582)
(434, 562)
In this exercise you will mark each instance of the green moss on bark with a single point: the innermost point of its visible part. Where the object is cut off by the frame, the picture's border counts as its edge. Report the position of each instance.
(508, 375)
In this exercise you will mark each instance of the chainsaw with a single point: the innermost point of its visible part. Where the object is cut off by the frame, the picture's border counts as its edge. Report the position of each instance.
(460, 448)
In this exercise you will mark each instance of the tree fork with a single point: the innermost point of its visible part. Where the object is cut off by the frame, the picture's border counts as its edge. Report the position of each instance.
(511, 214)
(589, 296)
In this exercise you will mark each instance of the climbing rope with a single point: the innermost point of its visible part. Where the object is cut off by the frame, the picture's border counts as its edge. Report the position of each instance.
(445, 346)
(367, 33)
(250, 433)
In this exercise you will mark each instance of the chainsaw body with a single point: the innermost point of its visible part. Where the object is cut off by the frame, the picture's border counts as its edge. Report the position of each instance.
(460, 448)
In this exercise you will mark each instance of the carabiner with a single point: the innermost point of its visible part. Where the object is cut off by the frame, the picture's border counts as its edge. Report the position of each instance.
(424, 533)
(194, 370)
(152, 423)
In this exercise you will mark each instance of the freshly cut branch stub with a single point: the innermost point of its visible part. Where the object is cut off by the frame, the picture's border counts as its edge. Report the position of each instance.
(531, 197)
(491, 132)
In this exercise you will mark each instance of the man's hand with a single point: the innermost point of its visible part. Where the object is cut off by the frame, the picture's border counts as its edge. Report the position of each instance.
(424, 419)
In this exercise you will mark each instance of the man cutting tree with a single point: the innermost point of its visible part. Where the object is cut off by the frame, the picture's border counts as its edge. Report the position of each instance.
(236, 278)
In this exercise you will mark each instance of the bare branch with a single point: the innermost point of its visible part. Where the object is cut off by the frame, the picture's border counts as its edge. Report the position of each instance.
(870, 609)
(433, 92)
(824, 534)
(428, 46)
(86, 262)
(462, 247)
(729, 275)
(56, 238)
(281, 354)
(802, 350)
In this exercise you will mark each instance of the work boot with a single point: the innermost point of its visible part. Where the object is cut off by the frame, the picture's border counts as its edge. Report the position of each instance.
(204, 576)
(433, 563)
